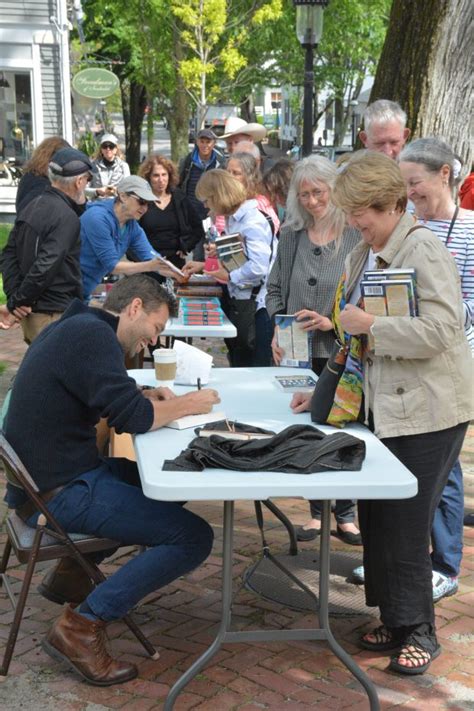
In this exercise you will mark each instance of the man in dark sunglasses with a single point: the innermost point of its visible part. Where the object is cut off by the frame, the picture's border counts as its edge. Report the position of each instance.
(110, 229)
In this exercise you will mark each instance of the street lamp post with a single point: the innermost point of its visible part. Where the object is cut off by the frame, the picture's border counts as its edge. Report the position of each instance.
(309, 30)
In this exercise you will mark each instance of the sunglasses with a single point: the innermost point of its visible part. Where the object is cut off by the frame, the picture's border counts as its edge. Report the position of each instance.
(138, 199)
(109, 146)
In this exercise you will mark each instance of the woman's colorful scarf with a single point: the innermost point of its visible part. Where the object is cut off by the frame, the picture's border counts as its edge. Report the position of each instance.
(348, 396)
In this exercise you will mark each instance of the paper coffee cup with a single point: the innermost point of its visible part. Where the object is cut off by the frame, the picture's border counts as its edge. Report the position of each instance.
(165, 366)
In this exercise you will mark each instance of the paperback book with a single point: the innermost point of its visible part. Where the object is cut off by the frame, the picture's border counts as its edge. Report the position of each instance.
(230, 250)
(296, 343)
(389, 292)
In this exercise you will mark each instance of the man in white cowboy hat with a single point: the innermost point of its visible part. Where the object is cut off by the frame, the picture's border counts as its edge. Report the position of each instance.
(237, 130)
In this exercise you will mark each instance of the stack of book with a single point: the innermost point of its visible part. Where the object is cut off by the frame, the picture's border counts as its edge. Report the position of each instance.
(230, 250)
(202, 312)
(389, 292)
(199, 286)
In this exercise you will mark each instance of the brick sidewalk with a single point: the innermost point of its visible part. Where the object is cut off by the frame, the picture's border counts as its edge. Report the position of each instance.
(181, 621)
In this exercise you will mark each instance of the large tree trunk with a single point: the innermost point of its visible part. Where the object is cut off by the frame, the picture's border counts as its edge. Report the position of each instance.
(133, 103)
(178, 115)
(425, 65)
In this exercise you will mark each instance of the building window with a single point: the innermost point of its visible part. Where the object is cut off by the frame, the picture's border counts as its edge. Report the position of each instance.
(16, 125)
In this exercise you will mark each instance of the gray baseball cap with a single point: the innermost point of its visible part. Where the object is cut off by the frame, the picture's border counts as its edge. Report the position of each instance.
(138, 186)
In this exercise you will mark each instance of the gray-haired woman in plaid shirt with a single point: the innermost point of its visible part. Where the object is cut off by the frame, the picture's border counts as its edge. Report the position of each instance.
(313, 245)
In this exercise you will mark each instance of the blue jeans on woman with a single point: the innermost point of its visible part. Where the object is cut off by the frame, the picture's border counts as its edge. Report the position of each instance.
(447, 529)
(109, 502)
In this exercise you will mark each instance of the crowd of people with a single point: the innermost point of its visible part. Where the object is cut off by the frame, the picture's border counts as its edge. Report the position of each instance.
(309, 230)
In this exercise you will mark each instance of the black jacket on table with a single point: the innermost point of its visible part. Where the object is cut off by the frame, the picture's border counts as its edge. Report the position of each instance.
(40, 262)
(72, 375)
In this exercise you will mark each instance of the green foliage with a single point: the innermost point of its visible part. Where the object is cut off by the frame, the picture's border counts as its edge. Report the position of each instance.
(4, 232)
(214, 34)
(87, 144)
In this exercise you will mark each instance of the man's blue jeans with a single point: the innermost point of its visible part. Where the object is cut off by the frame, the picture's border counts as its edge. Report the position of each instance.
(447, 529)
(109, 502)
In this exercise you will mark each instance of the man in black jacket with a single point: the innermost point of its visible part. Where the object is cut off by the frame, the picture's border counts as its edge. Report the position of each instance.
(71, 376)
(202, 158)
(40, 262)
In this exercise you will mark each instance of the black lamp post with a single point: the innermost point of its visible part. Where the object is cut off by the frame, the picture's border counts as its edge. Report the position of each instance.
(309, 30)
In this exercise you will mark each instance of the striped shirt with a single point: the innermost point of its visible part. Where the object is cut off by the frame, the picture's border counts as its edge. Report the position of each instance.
(461, 247)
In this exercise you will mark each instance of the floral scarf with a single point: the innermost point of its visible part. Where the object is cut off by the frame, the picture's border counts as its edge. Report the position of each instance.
(349, 390)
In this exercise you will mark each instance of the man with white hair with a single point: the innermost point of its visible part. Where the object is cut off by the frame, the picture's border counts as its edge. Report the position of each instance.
(385, 128)
(40, 262)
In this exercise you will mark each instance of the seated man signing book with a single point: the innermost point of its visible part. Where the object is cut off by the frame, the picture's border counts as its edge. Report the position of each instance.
(72, 375)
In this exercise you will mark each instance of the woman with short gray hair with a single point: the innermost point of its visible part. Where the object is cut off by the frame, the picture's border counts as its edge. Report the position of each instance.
(431, 171)
(314, 242)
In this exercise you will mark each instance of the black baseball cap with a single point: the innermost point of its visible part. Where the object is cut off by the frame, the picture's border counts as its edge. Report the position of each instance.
(68, 162)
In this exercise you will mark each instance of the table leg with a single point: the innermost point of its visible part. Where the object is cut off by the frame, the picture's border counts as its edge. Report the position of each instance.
(346, 659)
(226, 609)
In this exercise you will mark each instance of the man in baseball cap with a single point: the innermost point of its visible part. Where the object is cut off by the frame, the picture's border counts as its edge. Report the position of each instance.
(69, 162)
(202, 158)
(40, 263)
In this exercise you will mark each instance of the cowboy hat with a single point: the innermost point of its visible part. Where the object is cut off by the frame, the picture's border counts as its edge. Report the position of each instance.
(235, 125)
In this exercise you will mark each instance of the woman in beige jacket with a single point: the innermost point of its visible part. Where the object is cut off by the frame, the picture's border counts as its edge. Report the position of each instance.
(417, 398)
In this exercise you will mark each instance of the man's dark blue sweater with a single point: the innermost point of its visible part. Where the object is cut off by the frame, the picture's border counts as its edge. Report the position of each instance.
(72, 375)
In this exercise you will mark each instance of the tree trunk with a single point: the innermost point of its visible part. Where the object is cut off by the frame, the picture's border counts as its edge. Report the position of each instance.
(247, 110)
(178, 115)
(150, 127)
(340, 121)
(133, 103)
(425, 66)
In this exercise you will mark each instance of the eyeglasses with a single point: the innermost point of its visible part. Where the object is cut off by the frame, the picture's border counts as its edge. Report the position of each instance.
(109, 146)
(140, 200)
(316, 194)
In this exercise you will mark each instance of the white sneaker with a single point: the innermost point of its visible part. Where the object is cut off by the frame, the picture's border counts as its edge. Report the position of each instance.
(443, 586)
(358, 575)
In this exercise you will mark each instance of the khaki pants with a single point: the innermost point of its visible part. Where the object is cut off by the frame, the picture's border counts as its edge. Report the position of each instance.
(33, 324)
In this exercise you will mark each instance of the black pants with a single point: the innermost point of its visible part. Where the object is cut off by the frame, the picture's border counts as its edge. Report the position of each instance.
(396, 534)
(240, 312)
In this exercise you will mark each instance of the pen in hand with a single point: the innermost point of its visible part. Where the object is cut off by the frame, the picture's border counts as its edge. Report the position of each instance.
(199, 383)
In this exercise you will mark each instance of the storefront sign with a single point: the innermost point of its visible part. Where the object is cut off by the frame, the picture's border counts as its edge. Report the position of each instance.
(95, 83)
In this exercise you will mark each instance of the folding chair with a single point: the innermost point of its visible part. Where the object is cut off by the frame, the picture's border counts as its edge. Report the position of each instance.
(48, 541)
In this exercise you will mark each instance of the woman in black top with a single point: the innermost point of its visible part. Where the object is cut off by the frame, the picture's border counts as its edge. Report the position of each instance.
(171, 223)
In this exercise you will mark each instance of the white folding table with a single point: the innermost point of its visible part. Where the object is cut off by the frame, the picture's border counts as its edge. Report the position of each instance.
(250, 395)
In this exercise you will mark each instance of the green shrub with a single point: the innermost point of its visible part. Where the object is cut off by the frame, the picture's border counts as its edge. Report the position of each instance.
(4, 232)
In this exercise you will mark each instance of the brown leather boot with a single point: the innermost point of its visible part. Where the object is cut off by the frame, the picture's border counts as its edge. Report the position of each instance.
(67, 581)
(81, 643)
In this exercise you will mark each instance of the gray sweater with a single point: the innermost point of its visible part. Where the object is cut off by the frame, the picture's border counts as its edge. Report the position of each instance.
(305, 276)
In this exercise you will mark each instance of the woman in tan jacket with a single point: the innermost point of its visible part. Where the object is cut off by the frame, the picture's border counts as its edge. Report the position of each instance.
(416, 380)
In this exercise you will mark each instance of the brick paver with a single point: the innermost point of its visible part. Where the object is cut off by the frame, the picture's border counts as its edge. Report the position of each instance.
(182, 618)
